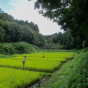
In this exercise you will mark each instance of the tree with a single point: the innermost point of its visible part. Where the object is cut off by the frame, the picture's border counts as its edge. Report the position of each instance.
(7, 29)
(70, 14)
(15, 32)
(39, 40)
(59, 36)
(1, 23)
(34, 26)
(6, 17)
(2, 34)
(28, 34)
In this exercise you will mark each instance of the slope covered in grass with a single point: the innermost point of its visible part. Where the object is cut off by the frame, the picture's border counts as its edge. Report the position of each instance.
(19, 47)
(73, 74)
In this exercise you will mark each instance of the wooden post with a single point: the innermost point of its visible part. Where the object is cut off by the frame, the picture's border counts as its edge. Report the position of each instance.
(23, 66)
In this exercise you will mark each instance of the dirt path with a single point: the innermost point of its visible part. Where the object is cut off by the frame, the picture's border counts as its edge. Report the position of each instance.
(37, 85)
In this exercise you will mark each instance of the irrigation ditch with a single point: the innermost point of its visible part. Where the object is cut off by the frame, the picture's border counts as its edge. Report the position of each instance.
(37, 85)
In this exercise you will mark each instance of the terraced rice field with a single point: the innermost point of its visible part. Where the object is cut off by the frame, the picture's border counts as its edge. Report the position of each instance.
(14, 78)
(34, 65)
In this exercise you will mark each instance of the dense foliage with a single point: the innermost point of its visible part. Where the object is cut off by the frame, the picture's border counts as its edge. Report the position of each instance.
(18, 47)
(60, 41)
(71, 15)
(12, 30)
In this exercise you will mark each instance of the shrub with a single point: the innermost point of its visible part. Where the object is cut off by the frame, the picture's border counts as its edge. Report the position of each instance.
(19, 47)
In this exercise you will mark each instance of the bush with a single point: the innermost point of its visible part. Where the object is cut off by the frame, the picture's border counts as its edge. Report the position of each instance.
(84, 44)
(19, 47)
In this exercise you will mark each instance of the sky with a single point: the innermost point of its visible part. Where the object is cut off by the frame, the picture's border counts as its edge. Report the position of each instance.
(24, 10)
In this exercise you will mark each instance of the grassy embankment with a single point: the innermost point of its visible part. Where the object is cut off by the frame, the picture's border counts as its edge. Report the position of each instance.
(18, 48)
(73, 74)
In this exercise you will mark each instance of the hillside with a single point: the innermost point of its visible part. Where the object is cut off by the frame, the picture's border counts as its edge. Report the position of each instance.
(13, 30)
(19, 47)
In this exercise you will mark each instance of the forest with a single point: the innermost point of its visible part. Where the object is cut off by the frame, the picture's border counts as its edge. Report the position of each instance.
(71, 15)
(12, 30)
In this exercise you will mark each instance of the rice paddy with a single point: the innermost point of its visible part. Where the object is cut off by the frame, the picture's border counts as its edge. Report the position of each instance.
(34, 65)
(14, 78)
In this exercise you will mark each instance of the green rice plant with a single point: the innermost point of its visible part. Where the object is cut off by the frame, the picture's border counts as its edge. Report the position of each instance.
(55, 50)
(60, 50)
(39, 65)
(17, 78)
(49, 55)
(4, 56)
(35, 61)
(13, 78)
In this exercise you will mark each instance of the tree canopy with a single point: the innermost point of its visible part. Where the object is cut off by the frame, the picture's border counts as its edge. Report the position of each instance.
(70, 14)
(12, 30)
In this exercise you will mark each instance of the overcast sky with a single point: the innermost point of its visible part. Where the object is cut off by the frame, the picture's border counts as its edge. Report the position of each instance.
(24, 10)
